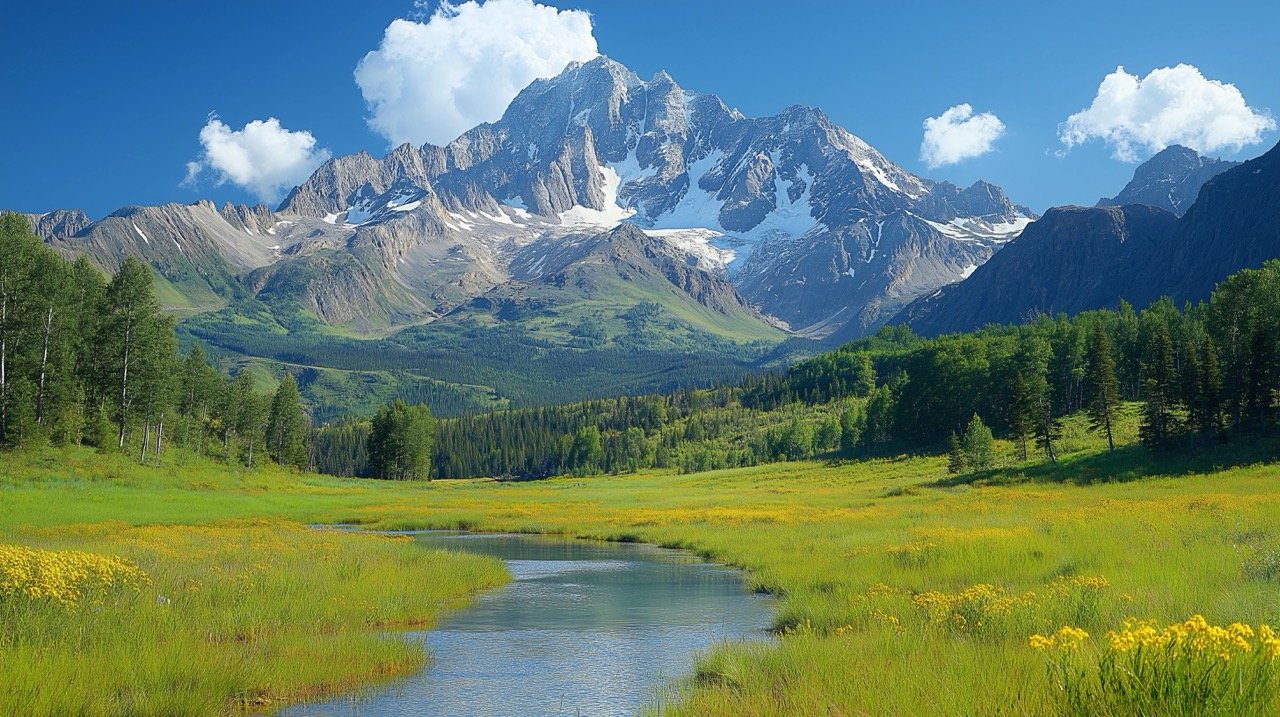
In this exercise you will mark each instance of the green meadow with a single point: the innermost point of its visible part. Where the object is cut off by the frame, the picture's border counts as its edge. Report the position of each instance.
(902, 589)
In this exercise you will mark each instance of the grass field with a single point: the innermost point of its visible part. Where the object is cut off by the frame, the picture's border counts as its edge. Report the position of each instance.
(902, 590)
(185, 592)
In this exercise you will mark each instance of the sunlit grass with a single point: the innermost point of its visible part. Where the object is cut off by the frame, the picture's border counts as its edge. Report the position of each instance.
(872, 561)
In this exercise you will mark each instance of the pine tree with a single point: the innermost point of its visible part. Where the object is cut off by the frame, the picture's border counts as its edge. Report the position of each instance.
(1160, 390)
(1260, 382)
(635, 449)
(287, 425)
(197, 393)
(1021, 411)
(1208, 414)
(865, 379)
(955, 454)
(241, 414)
(1033, 358)
(1103, 396)
(1128, 370)
(19, 252)
(1067, 366)
(157, 374)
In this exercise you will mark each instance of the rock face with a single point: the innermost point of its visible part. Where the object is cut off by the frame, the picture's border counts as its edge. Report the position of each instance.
(58, 223)
(1072, 259)
(253, 220)
(810, 223)
(193, 247)
(1075, 259)
(1170, 180)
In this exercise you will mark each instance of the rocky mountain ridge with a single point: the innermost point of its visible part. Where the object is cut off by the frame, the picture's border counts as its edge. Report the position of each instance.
(1171, 180)
(786, 201)
(1080, 258)
(812, 228)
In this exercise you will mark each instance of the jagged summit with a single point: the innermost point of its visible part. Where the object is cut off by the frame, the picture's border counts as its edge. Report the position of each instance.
(1171, 180)
(59, 222)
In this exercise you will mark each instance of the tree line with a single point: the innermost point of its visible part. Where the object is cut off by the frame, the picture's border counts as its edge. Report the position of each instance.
(690, 429)
(91, 359)
(1203, 373)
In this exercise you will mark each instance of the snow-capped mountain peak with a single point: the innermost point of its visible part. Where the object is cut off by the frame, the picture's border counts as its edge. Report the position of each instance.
(794, 199)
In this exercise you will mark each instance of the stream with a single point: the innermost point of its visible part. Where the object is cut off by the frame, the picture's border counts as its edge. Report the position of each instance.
(584, 628)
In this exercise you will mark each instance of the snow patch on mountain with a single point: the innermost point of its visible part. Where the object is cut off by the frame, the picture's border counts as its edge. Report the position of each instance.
(697, 243)
(698, 207)
(789, 218)
(612, 214)
(975, 229)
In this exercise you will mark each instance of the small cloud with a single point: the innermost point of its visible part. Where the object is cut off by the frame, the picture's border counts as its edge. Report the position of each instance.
(431, 81)
(262, 157)
(958, 134)
(1171, 105)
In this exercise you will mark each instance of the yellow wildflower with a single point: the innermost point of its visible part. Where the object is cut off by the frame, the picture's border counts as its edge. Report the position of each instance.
(1065, 639)
(1194, 637)
(63, 576)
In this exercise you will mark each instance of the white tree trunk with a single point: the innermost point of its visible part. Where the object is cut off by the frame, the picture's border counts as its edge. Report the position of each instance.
(124, 383)
(159, 438)
(44, 363)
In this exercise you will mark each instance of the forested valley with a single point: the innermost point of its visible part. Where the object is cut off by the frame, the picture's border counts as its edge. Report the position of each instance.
(1200, 374)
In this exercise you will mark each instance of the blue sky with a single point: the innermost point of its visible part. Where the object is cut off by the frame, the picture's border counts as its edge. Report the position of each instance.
(105, 102)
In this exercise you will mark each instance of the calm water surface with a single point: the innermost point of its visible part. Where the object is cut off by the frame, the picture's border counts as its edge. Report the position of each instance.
(585, 628)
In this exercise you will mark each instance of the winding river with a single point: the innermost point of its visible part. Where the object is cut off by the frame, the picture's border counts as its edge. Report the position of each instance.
(585, 628)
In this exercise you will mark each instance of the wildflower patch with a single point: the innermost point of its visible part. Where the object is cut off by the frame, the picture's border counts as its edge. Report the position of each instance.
(1188, 667)
(66, 577)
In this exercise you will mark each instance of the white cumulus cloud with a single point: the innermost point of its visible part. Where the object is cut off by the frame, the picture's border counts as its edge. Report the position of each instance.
(1171, 105)
(431, 81)
(262, 157)
(958, 134)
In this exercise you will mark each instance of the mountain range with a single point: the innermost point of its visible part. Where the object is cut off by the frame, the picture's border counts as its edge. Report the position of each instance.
(808, 222)
(1079, 258)
(602, 213)
(611, 234)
